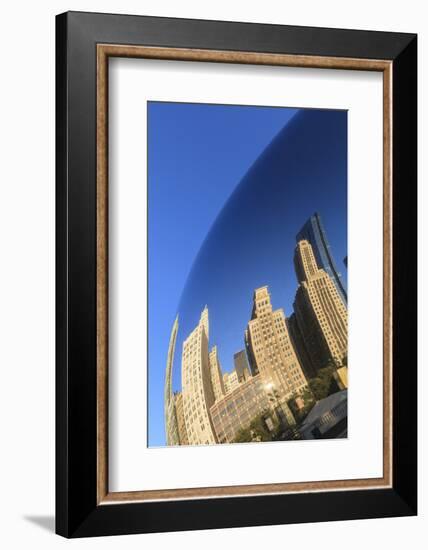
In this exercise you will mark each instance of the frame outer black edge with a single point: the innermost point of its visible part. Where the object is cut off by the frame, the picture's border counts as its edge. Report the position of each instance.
(227, 35)
(82, 335)
(117, 519)
(405, 273)
(61, 448)
(77, 513)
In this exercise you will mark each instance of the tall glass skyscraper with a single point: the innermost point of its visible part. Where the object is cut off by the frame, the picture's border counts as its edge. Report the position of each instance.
(313, 231)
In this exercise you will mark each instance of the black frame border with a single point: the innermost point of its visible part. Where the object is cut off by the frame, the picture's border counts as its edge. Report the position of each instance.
(77, 512)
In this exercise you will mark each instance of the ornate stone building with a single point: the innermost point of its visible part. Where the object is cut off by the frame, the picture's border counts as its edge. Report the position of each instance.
(181, 424)
(271, 349)
(198, 395)
(313, 231)
(321, 314)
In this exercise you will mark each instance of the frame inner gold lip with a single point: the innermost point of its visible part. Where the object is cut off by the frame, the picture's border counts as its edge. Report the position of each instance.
(104, 51)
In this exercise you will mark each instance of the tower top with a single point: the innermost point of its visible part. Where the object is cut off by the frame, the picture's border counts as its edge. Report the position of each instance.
(261, 291)
(261, 301)
(204, 321)
(304, 261)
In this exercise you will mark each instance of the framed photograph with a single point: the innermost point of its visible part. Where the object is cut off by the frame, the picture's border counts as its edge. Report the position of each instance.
(236, 274)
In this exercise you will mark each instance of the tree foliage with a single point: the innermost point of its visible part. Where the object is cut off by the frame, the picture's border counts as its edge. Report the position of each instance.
(300, 413)
(324, 383)
(319, 387)
(257, 431)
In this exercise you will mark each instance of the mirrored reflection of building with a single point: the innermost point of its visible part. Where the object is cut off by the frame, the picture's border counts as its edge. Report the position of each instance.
(328, 419)
(231, 381)
(171, 427)
(280, 356)
(250, 356)
(296, 335)
(321, 314)
(181, 424)
(272, 350)
(238, 408)
(216, 374)
(198, 395)
(241, 366)
(313, 231)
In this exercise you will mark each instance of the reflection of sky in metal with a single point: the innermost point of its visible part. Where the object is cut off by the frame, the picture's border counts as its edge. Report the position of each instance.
(252, 239)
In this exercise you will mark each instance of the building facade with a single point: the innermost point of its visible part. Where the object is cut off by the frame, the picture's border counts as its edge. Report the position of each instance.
(328, 419)
(313, 231)
(238, 408)
(250, 356)
(321, 314)
(171, 427)
(198, 394)
(216, 374)
(241, 365)
(272, 351)
(231, 381)
(181, 424)
(341, 377)
(299, 346)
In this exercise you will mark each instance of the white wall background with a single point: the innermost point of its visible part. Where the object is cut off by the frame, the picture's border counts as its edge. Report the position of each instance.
(27, 270)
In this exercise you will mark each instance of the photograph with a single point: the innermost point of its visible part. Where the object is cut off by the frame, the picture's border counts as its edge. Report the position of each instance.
(247, 274)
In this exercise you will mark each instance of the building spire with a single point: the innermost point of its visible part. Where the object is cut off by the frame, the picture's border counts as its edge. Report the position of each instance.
(204, 321)
(304, 261)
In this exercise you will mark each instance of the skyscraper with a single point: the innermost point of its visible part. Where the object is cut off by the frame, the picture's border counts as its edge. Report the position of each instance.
(313, 231)
(250, 356)
(216, 374)
(299, 345)
(198, 395)
(181, 424)
(321, 314)
(271, 349)
(171, 427)
(230, 381)
(241, 365)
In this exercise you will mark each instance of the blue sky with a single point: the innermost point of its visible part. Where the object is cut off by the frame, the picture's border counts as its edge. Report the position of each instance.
(229, 187)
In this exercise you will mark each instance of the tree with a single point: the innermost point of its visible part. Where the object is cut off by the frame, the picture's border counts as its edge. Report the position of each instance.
(257, 431)
(324, 383)
(309, 401)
